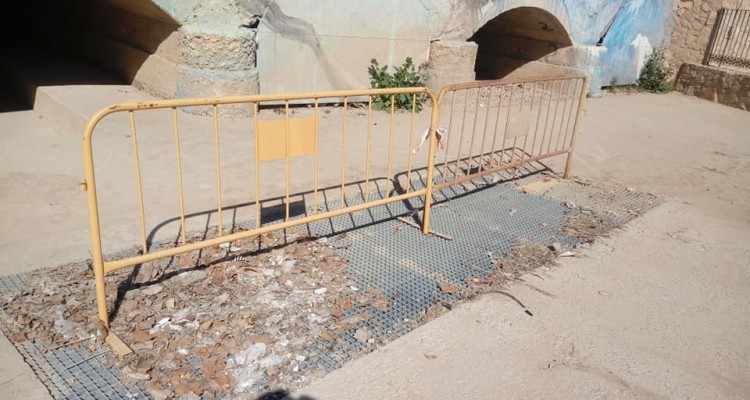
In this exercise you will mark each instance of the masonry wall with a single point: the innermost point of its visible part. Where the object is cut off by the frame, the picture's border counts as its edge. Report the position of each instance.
(721, 86)
(693, 22)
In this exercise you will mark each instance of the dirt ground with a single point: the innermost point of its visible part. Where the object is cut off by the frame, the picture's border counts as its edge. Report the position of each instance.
(656, 311)
(659, 310)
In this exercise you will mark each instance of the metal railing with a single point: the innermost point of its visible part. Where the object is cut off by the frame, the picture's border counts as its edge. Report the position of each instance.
(536, 117)
(497, 125)
(729, 45)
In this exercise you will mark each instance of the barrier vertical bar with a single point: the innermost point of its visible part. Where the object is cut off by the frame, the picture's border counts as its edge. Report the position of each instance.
(554, 117)
(463, 129)
(390, 149)
(570, 115)
(97, 258)
(497, 122)
(315, 161)
(288, 156)
(473, 132)
(538, 119)
(528, 131)
(507, 124)
(564, 127)
(448, 132)
(367, 157)
(569, 161)
(137, 161)
(520, 114)
(256, 137)
(411, 142)
(546, 117)
(218, 169)
(343, 158)
(179, 173)
(434, 121)
(484, 130)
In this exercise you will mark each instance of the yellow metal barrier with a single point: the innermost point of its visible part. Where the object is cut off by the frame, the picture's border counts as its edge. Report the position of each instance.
(497, 125)
(275, 138)
(512, 122)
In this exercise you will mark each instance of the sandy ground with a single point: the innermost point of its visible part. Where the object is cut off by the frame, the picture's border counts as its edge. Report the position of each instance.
(659, 310)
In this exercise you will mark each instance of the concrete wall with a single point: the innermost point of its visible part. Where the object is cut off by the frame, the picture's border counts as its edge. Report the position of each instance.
(329, 46)
(718, 85)
(693, 22)
(188, 48)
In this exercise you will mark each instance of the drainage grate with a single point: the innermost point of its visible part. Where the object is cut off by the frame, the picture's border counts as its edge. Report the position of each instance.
(70, 373)
(485, 220)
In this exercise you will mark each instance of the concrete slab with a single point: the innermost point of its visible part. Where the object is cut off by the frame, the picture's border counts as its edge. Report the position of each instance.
(18, 380)
(69, 108)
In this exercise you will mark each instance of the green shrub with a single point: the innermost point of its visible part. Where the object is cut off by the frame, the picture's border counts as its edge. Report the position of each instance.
(656, 75)
(407, 75)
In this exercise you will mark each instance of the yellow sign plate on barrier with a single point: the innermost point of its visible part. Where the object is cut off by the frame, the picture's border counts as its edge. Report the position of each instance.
(272, 138)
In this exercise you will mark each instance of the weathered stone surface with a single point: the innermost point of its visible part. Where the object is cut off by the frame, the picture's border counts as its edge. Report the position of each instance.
(198, 82)
(691, 31)
(217, 49)
(718, 85)
(451, 61)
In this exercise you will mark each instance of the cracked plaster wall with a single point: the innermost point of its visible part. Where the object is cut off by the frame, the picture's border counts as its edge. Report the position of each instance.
(302, 46)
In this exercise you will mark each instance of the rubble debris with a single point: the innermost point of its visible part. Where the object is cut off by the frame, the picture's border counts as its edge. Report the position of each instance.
(211, 324)
(211, 327)
(588, 226)
(448, 288)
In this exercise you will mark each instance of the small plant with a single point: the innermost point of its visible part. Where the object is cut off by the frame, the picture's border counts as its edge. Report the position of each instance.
(656, 75)
(407, 75)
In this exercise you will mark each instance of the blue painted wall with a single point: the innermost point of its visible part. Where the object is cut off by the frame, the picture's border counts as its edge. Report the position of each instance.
(633, 28)
(638, 26)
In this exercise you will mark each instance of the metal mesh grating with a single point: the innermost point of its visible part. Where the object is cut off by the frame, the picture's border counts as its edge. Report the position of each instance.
(71, 373)
(485, 220)
(408, 267)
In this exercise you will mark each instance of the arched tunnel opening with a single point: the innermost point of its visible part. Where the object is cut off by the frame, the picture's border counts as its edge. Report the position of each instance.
(520, 42)
(78, 42)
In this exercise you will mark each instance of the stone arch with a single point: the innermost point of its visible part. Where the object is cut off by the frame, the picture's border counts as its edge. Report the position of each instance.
(522, 40)
(88, 42)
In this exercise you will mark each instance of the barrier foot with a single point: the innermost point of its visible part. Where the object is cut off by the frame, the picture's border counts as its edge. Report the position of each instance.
(119, 347)
(433, 233)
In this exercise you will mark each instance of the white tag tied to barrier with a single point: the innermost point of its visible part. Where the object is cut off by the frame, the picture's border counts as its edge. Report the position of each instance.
(439, 133)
